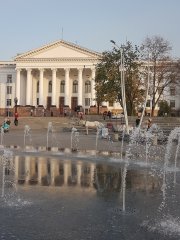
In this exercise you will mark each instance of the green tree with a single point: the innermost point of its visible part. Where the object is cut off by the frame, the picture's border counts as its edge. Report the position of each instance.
(164, 108)
(108, 77)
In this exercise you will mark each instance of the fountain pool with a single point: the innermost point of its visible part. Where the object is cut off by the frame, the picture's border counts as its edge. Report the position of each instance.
(62, 194)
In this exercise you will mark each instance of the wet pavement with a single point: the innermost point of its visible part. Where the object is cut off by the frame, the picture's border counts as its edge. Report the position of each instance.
(63, 194)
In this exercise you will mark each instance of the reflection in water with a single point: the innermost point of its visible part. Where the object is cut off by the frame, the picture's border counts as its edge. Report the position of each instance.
(42, 171)
(79, 193)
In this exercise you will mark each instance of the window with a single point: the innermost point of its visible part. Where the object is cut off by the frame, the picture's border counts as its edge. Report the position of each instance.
(62, 87)
(38, 87)
(8, 102)
(37, 101)
(172, 103)
(87, 87)
(87, 101)
(9, 89)
(110, 104)
(75, 86)
(50, 87)
(148, 103)
(9, 78)
(172, 91)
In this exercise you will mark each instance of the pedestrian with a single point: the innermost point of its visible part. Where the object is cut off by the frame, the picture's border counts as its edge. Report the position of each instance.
(8, 122)
(31, 112)
(81, 116)
(16, 119)
(109, 114)
(104, 115)
(75, 110)
(137, 121)
(64, 112)
(60, 112)
(149, 123)
(42, 112)
(35, 112)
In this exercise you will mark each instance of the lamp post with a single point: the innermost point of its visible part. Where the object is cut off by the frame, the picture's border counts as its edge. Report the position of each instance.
(146, 93)
(84, 85)
(122, 84)
(15, 101)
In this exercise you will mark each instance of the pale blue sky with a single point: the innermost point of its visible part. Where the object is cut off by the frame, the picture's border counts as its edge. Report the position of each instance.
(29, 24)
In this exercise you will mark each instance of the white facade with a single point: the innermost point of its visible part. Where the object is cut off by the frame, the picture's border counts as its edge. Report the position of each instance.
(39, 74)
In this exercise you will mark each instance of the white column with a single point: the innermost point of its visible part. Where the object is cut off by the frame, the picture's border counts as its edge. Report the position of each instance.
(65, 174)
(28, 87)
(93, 86)
(66, 102)
(80, 87)
(79, 173)
(41, 87)
(39, 171)
(53, 104)
(92, 174)
(27, 169)
(18, 71)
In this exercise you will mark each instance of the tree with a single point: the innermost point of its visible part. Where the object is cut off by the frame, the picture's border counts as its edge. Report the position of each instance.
(108, 78)
(164, 108)
(164, 69)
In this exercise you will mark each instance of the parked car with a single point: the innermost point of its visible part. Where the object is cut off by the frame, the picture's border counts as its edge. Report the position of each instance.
(119, 115)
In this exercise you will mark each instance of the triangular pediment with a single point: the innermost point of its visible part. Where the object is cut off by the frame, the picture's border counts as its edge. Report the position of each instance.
(59, 49)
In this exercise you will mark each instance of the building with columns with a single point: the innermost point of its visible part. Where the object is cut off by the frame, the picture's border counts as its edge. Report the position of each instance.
(57, 75)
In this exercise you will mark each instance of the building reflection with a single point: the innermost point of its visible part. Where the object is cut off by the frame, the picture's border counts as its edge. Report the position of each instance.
(53, 172)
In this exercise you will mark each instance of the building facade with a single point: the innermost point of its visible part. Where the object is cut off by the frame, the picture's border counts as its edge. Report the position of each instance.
(60, 75)
(57, 75)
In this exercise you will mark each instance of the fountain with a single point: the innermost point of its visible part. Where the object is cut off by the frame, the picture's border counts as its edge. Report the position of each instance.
(27, 135)
(111, 196)
(2, 134)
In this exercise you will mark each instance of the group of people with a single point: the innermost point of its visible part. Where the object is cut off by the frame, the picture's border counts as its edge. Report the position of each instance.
(7, 122)
(108, 114)
(148, 123)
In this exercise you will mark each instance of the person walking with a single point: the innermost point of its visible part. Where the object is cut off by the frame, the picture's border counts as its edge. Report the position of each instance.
(8, 122)
(31, 112)
(149, 123)
(16, 119)
(64, 112)
(42, 112)
(81, 116)
(35, 112)
(137, 121)
(60, 112)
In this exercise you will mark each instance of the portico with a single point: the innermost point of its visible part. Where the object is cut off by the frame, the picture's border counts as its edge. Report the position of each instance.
(56, 75)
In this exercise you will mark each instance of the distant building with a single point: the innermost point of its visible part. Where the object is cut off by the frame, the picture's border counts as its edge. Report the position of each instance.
(57, 75)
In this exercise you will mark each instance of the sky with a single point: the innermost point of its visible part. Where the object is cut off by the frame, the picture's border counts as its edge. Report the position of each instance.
(29, 24)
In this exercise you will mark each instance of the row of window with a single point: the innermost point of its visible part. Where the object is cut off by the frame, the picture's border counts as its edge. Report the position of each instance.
(87, 102)
(62, 87)
(172, 103)
(75, 84)
(172, 91)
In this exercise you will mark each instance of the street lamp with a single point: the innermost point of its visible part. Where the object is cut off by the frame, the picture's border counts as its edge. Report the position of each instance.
(15, 101)
(146, 93)
(122, 85)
